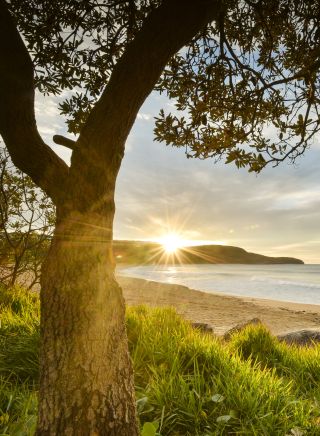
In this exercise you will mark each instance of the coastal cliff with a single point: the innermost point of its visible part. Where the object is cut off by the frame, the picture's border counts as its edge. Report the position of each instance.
(141, 252)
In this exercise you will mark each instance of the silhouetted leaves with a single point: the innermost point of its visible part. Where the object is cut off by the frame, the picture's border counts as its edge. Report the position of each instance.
(247, 85)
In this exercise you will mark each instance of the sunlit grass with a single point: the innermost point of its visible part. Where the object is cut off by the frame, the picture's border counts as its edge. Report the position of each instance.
(187, 382)
(195, 385)
(301, 365)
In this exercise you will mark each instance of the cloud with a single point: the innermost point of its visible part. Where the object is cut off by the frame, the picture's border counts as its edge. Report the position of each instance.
(264, 213)
(143, 116)
(252, 227)
(276, 212)
(50, 122)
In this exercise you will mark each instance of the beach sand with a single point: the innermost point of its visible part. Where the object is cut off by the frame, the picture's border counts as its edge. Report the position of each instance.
(220, 311)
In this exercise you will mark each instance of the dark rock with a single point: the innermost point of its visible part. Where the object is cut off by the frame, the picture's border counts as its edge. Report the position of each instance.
(203, 327)
(239, 327)
(301, 337)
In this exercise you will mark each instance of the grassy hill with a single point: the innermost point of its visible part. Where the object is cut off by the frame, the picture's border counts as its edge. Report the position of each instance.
(140, 252)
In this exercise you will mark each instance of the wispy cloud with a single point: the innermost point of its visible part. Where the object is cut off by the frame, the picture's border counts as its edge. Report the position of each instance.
(276, 212)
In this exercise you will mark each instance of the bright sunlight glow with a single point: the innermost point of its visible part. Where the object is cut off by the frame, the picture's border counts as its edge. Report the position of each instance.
(171, 242)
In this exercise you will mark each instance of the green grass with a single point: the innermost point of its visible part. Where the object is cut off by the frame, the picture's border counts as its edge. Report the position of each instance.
(301, 365)
(187, 383)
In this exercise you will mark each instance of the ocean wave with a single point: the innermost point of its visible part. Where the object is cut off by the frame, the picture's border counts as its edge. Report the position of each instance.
(285, 284)
(273, 281)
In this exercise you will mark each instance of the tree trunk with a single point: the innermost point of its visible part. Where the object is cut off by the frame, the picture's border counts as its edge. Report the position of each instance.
(86, 384)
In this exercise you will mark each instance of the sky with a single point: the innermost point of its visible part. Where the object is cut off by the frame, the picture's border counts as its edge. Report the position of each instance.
(160, 191)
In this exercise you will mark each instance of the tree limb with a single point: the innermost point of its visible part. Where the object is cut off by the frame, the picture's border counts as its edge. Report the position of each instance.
(66, 142)
(17, 119)
(165, 31)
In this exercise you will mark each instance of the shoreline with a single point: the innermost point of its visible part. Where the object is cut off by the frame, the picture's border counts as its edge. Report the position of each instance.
(254, 293)
(243, 297)
(221, 311)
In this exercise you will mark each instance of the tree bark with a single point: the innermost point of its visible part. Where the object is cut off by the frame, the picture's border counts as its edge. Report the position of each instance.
(86, 378)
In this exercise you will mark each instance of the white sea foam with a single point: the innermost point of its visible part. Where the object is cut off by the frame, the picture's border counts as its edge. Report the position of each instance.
(296, 283)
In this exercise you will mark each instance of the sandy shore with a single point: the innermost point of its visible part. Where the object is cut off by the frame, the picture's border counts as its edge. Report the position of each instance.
(219, 311)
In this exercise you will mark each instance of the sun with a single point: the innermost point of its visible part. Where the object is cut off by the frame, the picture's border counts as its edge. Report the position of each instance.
(171, 242)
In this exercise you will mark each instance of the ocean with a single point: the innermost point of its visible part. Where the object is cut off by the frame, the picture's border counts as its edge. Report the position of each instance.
(295, 283)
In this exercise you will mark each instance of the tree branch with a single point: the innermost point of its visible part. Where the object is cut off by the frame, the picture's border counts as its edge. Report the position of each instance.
(17, 119)
(165, 31)
(66, 142)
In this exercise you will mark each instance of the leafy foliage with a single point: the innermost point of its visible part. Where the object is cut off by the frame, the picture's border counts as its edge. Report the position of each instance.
(246, 89)
(75, 45)
(248, 86)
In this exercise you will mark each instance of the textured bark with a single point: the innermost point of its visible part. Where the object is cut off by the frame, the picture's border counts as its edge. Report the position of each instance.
(86, 378)
(86, 383)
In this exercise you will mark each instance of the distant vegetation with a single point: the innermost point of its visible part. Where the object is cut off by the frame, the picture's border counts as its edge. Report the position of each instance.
(27, 217)
(187, 382)
(140, 252)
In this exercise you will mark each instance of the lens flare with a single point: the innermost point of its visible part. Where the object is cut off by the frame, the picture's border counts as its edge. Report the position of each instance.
(171, 243)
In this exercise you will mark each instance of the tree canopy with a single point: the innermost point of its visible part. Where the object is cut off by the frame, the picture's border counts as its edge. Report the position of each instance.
(245, 88)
